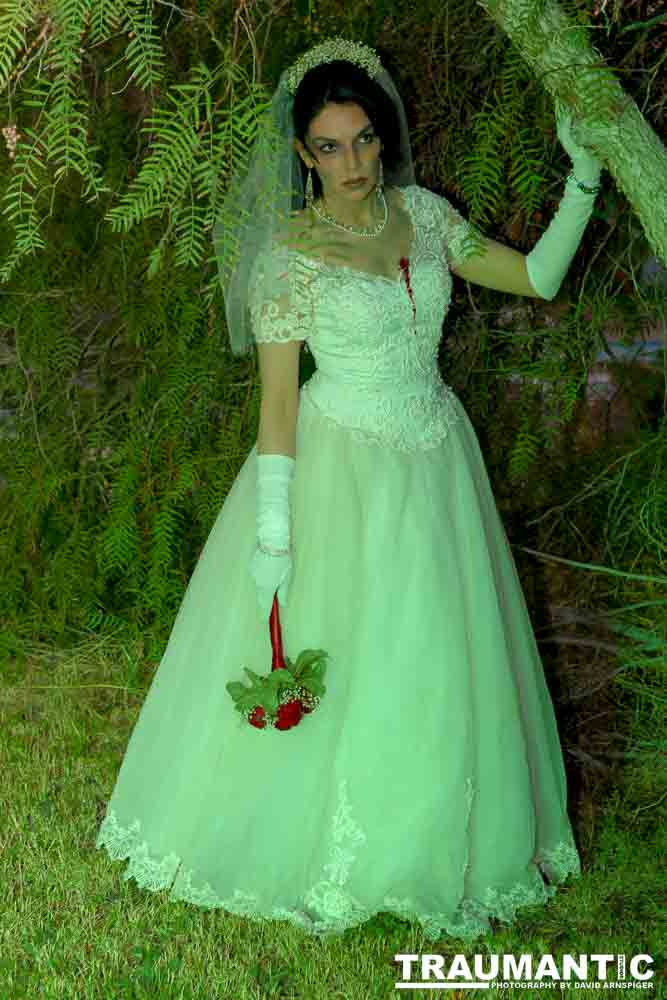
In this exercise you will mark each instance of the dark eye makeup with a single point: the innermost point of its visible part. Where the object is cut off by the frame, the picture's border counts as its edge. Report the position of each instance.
(368, 135)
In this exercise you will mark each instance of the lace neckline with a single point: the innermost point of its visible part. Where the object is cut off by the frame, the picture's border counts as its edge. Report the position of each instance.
(370, 275)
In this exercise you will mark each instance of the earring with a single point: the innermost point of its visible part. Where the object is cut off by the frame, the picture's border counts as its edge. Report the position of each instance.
(309, 188)
(381, 177)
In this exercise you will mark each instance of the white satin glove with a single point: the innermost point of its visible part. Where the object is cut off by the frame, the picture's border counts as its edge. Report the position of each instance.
(587, 166)
(549, 261)
(272, 572)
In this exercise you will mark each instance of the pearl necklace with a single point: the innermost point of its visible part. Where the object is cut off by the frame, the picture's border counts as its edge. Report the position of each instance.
(352, 229)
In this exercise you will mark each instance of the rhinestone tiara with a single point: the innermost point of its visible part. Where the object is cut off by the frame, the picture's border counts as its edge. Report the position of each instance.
(328, 51)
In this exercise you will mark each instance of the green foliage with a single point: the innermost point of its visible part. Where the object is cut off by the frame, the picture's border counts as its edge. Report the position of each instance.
(129, 417)
(125, 421)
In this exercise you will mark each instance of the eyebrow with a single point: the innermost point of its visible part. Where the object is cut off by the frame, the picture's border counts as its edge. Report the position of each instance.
(327, 139)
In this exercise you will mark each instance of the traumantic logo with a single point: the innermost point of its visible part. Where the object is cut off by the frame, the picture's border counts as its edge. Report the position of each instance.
(571, 972)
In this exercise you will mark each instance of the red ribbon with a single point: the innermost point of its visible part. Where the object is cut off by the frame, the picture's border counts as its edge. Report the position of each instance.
(277, 658)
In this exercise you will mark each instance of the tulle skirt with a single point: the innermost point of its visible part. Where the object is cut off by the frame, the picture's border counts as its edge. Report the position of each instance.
(428, 783)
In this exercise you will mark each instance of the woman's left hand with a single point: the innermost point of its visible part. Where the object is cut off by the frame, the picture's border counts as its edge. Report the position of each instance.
(587, 163)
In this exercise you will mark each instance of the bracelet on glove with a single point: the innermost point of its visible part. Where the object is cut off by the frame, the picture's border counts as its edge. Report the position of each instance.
(273, 552)
(585, 187)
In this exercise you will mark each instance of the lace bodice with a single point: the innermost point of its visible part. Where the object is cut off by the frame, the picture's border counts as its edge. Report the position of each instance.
(374, 339)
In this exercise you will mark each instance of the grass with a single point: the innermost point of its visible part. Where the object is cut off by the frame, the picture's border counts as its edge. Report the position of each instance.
(72, 928)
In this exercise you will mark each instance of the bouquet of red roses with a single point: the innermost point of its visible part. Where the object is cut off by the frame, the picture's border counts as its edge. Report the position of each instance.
(280, 699)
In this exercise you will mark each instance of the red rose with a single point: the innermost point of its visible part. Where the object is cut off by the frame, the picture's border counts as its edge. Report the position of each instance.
(289, 714)
(256, 718)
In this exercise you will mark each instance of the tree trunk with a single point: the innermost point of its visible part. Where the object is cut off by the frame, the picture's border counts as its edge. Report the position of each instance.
(606, 120)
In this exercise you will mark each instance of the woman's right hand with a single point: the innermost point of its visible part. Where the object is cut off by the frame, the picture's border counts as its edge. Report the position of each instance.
(271, 574)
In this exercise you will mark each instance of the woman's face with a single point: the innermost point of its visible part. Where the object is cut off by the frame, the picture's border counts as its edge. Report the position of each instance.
(347, 147)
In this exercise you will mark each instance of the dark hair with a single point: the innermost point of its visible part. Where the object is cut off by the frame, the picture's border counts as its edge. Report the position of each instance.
(343, 82)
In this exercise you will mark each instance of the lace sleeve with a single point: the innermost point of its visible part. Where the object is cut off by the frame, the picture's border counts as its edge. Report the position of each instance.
(281, 301)
(461, 238)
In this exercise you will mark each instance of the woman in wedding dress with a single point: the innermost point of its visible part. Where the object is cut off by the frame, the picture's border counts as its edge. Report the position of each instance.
(429, 781)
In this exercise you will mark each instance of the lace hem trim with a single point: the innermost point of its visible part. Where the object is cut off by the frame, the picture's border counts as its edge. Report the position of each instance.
(330, 897)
